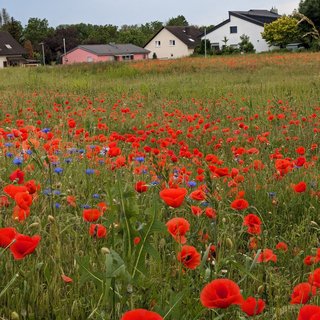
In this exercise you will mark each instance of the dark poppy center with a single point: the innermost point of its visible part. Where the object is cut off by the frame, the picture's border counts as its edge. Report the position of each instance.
(222, 292)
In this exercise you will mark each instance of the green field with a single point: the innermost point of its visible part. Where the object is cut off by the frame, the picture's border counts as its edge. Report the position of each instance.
(86, 134)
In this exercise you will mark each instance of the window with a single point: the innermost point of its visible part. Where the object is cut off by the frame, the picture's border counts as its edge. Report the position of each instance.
(89, 59)
(234, 29)
(127, 57)
(8, 46)
(172, 42)
(158, 44)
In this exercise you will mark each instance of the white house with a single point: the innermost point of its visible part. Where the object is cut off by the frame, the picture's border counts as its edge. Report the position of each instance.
(250, 23)
(173, 42)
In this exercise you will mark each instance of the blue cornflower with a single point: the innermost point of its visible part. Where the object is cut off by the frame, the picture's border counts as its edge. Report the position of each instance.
(272, 194)
(29, 152)
(57, 205)
(57, 192)
(81, 151)
(68, 160)
(9, 154)
(96, 196)
(58, 170)
(192, 184)
(85, 206)
(140, 159)
(46, 130)
(8, 144)
(17, 161)
(90, 171)
(47, 191)
(10, 136)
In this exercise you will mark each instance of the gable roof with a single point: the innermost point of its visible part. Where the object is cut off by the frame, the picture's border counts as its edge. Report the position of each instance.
(111, 49)
(9, 46)
(258, 17)
(190, 36)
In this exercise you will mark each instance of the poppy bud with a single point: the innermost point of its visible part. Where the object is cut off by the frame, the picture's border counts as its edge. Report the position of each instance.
(14, 316)
(35, 224)
(229, 243)
(105, 250)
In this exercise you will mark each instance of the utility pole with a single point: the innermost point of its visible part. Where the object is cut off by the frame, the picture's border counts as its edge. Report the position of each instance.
(64, 46)
(43, 56)
(205, 42)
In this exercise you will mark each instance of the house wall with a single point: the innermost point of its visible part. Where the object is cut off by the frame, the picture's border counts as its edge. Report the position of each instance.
(2, 60)
(244, 27)
(165, 51)
(79, 55)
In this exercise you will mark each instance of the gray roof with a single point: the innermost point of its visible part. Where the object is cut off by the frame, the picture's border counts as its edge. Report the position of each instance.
(189, 35)
(9, 46)
(112, 49)
(258, 17)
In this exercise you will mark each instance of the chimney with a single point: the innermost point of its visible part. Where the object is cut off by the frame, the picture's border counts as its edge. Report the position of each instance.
(187, 30)
(274, 10)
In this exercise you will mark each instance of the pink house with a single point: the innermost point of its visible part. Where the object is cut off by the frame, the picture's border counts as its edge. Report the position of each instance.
(104, 52)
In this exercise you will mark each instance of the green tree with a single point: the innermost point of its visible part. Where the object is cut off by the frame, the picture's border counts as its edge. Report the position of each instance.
(282, 31)
(178, 21)
(205, 44)
(14, 27)
(4, 17)
(311, 9)
(245, 45)
(37, 30)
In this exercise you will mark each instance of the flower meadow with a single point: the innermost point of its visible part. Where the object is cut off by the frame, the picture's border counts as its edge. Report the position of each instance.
(138, 205)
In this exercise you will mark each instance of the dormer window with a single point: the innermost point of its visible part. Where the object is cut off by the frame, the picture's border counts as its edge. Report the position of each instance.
(8, 46)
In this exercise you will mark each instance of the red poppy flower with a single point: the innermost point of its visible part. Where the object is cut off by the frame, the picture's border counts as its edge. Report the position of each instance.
(7, 235)
(300, 187)
(66, 279)
(98, 231)
(18, 176)
(252, 306)
(173, 197)
(141, 187)
(253, 223)
(302, 293)
(141, 314)
(24, 245)
(266, 255)
(31, 186)
(178, 227)
(197, 211)
(198, 195)
(239, 204)
(136, 240)
(301, 151)
(314, 278)
(71, 201)
(23, 200)
(309, 312)
(282, 246)
(189, 257)
(210, 213)
(20, 214)
(91, 215)
(4, 202)
(12, 190)
(221, 293)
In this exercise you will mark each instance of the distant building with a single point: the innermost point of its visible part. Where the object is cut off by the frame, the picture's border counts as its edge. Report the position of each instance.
(104, 52)
(250, 23)
(174, 42)
(10, 51)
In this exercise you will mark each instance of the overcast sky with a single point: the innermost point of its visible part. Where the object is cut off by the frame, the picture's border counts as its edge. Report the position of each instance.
(119, 12)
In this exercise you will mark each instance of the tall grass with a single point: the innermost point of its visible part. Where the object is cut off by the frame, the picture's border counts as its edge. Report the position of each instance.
(275, 96)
